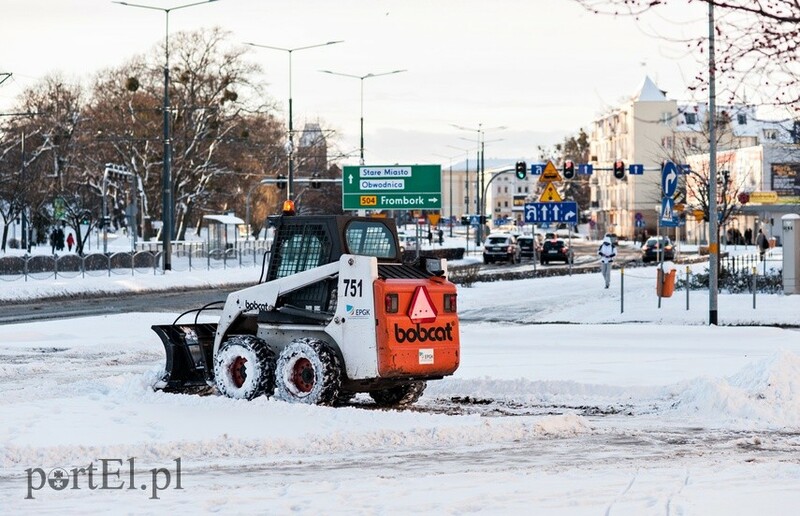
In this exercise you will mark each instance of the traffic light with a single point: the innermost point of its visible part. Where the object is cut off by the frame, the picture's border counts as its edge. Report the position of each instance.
(619, 169)
(281, 181)
(521, 169)
(569, 169)
(464, 220)
(315, 184)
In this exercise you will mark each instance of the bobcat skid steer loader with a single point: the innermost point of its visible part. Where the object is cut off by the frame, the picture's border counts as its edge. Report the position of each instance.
(338, 313)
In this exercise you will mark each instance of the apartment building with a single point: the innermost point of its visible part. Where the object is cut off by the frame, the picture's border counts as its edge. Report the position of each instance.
(651, 128)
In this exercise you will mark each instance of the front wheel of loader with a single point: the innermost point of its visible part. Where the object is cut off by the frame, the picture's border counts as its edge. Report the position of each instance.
(400, 396)
(308, 371)
(244, 368)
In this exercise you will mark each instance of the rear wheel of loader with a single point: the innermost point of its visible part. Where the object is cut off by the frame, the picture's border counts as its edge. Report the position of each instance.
(399, 396)
(308, 371)
(244, 368)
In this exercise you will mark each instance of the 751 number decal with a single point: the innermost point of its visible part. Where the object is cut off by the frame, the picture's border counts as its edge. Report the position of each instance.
(353, 287)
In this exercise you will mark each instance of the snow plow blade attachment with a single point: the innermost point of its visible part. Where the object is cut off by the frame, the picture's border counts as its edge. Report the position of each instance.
(189, 351)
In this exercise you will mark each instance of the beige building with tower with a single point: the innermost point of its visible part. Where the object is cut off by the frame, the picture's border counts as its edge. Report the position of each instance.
(633, 133)
(649, 129)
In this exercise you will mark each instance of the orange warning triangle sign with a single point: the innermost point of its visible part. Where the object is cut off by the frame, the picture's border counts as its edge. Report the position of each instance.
(550, 194)
(550, 174)
(422, 309)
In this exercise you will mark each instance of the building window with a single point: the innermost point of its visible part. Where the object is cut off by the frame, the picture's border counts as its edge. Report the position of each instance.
(690, 118)
(770, 134)
(666, 142)
(666, 117)
(741, 119)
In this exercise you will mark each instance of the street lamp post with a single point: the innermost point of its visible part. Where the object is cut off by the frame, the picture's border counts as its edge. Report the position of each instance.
(480, 180)
(466, 190)
(361, 78)
(166, 177)
(450, 158)
(290, 181)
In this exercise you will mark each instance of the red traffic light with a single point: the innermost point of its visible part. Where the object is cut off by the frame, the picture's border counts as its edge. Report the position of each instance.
(619, 169)
(569, 169)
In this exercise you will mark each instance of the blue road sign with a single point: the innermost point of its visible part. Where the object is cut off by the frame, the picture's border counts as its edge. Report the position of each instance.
(669, 178)
(540, 212)
(667, 217)
(474, 220)
(639, 223)
(537, 168)
(585, 169)
(635, 170)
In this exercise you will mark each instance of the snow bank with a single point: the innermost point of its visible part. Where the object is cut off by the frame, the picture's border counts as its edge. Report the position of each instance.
(764, 395)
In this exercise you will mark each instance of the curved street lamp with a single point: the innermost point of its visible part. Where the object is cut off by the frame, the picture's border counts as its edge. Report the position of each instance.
(290, 181)
(361, 78)
(166, 179)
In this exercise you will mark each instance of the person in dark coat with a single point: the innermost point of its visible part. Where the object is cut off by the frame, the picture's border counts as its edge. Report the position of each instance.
(763, 244)
(59, 239)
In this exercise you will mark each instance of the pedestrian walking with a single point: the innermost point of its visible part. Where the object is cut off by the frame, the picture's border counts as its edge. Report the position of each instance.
(763, 244)
(607, 254)
(53, 240)
(59, 239)
(430, 237)
(441, 236)
(70, 242)
(748, 236)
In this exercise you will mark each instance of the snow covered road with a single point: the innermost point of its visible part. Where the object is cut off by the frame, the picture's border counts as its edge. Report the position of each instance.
(566, 419)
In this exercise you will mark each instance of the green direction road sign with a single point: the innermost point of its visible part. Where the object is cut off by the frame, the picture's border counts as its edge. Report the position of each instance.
(392, 187)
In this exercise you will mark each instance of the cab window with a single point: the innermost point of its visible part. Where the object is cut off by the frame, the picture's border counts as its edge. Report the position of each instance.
(370, 239)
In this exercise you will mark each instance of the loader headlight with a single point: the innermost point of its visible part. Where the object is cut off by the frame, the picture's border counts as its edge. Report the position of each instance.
(450, 303)
(391, 303)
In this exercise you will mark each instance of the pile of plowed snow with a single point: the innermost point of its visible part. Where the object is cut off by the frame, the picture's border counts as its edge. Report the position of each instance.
(763, 394)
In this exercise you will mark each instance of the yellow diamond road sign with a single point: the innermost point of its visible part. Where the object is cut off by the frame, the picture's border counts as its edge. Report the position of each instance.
(550, 194)
(550, 174)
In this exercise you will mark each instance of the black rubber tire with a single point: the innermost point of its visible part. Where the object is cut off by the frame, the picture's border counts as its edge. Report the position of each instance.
(308, 371)
(400, 396)
(344, 397)
(244, 368)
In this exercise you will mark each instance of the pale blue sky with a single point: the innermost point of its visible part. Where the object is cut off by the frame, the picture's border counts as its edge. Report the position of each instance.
(537, 67)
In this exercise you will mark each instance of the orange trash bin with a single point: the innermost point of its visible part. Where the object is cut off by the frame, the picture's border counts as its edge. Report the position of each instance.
(665, 285)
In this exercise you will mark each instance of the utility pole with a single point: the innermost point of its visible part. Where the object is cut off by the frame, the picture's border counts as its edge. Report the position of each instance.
(713, 247)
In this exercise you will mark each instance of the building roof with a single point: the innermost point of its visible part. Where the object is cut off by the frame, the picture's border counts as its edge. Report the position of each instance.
(224, 219)
(649, 92)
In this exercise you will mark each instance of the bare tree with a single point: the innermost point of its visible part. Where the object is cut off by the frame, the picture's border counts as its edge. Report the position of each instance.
(757, 44)
(48, 169)
(576, 148)
(224, 134)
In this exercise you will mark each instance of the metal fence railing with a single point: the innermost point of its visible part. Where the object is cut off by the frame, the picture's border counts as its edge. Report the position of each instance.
(143, 261)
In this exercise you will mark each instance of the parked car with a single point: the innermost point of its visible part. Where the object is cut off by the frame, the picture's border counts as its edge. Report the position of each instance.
(527, 246)
(500, 247)
(655, 246)
(556, 250)
(407, 241)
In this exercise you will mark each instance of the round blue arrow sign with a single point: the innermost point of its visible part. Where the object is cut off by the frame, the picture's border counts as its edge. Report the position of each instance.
(669, 178)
